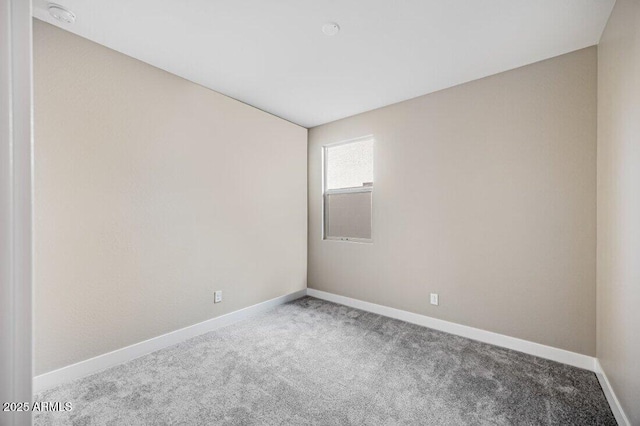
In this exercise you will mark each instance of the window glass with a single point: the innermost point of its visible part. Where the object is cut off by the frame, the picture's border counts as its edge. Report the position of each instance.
(348, 191)
(348, 215)
(349, 165)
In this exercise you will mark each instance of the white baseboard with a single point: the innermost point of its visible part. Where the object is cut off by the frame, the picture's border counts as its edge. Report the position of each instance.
(621, 417)
(560, 355)
(102, 362)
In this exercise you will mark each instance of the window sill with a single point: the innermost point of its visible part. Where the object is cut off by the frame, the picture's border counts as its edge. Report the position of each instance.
(349, 240)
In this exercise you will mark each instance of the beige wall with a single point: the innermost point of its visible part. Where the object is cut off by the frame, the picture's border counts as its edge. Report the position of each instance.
(484, 193)
(619, 204)
(151, 193)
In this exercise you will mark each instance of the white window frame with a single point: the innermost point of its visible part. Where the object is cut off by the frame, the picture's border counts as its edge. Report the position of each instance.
(357, 189)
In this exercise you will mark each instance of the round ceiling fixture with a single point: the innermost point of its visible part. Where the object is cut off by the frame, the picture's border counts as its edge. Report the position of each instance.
(61, 13)
(331, 28)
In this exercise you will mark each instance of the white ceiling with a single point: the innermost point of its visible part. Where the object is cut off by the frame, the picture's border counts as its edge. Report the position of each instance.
(273, 55)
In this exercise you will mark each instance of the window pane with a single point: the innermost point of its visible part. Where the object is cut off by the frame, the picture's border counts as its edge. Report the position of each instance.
(349, 165)
(348, 215)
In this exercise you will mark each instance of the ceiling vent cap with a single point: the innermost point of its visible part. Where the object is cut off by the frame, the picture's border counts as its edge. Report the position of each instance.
(331, 28)
(61, 13)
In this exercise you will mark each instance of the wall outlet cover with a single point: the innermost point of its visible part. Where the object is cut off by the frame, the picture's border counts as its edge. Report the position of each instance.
(434, 299)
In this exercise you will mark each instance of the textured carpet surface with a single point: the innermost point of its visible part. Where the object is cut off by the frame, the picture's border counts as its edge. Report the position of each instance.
(315, 362)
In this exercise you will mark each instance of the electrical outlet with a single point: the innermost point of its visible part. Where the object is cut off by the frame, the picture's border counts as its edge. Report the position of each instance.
(217, 296)
(434, 299)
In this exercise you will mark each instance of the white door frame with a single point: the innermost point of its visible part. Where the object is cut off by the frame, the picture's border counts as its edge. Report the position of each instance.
(16, 247)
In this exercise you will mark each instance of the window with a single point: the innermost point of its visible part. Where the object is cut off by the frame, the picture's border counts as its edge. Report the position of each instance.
(348, 190)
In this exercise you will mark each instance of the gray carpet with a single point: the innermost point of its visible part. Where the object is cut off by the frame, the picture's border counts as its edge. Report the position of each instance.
(314, 362)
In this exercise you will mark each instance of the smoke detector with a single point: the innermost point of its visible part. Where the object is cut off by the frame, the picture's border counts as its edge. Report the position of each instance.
(61, 13)
(331, 28)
